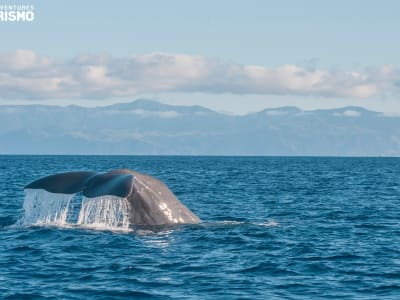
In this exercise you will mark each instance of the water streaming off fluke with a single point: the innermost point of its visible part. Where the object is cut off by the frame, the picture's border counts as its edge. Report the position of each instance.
(44, 208)
(101, 211)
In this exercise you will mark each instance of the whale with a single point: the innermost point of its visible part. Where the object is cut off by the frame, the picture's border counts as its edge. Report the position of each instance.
(150, 201)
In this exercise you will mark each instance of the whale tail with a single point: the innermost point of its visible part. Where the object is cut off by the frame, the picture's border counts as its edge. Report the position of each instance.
(118, 198)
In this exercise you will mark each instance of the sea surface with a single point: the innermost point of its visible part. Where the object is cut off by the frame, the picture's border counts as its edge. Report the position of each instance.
(273, 228)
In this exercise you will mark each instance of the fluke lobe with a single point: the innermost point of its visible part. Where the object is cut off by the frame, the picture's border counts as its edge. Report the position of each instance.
(151, 202)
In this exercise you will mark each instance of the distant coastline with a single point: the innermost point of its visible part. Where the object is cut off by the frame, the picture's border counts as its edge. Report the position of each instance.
(146, 127)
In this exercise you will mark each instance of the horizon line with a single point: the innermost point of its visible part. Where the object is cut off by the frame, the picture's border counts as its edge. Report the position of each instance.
(213, 155)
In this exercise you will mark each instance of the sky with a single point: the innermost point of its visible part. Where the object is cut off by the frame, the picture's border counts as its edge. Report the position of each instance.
(232, 56)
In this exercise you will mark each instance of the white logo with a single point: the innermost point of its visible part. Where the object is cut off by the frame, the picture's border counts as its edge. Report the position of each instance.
(16, 13)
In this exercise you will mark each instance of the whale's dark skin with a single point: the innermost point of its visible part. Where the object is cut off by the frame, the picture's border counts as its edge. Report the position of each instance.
(150, 201)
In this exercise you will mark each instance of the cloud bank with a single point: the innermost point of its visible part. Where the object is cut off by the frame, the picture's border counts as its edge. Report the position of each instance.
(25, 74)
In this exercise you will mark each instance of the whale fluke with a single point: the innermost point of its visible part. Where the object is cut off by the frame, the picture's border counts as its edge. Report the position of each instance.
(62, 183)
(150, 202)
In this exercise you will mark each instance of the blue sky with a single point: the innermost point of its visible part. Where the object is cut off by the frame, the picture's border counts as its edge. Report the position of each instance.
(239, 56)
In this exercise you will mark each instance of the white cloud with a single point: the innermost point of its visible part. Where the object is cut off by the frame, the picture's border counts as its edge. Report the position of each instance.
(161, 114)
(26, 75)
(168, 114)
(390, 114)
(348, 113)
(276, 112)
(351, 113)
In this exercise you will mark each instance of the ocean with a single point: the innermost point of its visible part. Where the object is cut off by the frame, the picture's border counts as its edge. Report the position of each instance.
(272, 228)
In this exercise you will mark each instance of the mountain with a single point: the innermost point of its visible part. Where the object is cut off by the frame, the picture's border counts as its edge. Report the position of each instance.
(150, 127)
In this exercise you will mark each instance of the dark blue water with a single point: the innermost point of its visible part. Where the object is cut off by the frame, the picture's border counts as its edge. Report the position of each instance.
(274, 228)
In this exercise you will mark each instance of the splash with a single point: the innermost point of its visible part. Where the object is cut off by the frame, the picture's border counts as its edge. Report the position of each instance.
(104, 211)
(45, 208)
(42, 208)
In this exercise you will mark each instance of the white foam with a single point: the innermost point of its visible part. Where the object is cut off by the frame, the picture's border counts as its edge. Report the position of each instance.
(265, 224)
(268, 224)
(227, 222)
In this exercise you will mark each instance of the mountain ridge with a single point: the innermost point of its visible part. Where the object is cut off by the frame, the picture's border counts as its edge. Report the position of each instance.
(150, 104)
(150, 127)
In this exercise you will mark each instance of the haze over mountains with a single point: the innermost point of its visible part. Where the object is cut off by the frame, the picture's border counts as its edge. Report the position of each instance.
(151, 128)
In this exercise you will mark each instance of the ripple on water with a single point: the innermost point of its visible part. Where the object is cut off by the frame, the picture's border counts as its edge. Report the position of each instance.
(274, 228)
